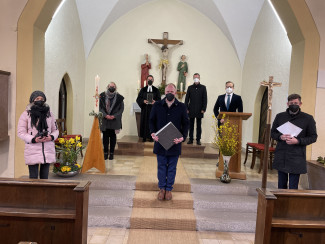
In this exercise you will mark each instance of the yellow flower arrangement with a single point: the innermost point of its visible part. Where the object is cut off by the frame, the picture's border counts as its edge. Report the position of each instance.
(226, 137)
(67, 155)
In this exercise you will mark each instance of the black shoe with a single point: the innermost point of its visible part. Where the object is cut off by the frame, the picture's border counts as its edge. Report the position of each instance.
(190, 142)
(198, 143)
(111, 156)
(105, 156)
(144, 139)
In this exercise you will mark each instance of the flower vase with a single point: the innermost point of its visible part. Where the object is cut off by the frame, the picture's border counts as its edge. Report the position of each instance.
(68, 174)
(225, 178)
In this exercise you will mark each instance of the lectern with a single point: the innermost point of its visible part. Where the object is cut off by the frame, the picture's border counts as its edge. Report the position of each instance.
(235, 118)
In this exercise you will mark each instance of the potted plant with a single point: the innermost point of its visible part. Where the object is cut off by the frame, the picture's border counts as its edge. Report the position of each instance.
(226, 138)
(67, 154)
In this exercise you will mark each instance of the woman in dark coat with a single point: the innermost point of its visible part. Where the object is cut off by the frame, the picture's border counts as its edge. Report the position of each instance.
(290, 152)
(112, 106)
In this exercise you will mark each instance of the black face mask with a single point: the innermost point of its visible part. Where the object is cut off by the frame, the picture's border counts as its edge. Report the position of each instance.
(170, 97)
(150, 82)
(293, 108)
(39, 103)
(111, 89)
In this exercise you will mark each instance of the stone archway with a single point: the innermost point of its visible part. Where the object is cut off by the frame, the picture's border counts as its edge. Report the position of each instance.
(32, 25)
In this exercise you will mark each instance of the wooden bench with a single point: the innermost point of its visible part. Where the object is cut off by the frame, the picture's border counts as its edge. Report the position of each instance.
(43, 211)
(290, 216)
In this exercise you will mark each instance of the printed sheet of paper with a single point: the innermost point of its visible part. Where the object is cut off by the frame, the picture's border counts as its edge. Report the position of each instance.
(290, 129)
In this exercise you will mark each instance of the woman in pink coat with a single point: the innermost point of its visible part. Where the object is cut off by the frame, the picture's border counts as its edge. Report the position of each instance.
(37, 128)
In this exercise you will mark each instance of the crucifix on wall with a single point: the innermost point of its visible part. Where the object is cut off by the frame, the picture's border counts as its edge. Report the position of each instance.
(270, 84)
(164, 61)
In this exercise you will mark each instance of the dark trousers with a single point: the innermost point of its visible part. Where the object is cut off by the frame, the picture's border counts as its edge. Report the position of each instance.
(109, 138)
(283, 180)
(166, 171)
(198, 128)
(43, 171)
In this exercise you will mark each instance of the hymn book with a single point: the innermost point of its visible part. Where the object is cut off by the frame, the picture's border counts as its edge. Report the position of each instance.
(167, 134)
(150, 98)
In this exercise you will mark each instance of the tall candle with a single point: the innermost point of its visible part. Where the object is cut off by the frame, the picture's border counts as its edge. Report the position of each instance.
(181, 86)
(144, 83)
(96, 94)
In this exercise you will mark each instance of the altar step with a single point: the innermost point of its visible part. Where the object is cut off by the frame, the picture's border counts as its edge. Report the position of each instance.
(133, 145)
(225, 207)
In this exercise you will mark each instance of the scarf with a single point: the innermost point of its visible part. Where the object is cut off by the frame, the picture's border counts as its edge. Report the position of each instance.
(38, 115)
(108, 98)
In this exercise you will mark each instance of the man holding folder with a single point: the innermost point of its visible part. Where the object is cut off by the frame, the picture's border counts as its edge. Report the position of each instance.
(293, 130)
(168, 110)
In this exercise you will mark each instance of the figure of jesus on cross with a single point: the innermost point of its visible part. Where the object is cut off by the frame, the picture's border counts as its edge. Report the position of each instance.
(164, 62)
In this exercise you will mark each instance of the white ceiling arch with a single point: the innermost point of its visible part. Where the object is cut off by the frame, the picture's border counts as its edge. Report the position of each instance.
(235, 18)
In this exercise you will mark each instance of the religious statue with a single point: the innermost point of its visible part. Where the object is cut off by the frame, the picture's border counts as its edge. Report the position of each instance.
(145, 66)
(164, 62)
(183, 69)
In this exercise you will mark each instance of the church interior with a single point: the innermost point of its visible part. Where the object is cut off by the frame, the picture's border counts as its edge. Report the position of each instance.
(61, 46)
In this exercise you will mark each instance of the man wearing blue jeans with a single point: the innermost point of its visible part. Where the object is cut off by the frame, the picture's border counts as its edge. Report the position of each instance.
(290, 152)
(164, 111)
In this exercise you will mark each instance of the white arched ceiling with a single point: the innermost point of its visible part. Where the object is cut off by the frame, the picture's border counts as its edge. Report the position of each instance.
(236, 18)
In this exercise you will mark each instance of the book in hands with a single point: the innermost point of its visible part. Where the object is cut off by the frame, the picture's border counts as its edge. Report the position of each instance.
(150, 98)
(167, 134)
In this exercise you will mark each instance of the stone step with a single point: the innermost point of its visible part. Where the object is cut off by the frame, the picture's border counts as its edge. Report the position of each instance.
(236, 203)
(162, 219)
(148, 199)
(118, 198)
(236, 187)
(116, 217)
(220, 221)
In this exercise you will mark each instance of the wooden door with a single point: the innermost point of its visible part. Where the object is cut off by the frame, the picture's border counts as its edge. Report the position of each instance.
(62, 101)
(263, 115)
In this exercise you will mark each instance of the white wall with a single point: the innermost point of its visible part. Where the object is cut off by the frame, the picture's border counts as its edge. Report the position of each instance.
(118, 54)
(64, 53)
(9, 15)
(268, 54)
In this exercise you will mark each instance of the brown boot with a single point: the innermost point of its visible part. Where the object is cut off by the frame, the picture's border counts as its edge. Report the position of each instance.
(168, 195)
(161, 195)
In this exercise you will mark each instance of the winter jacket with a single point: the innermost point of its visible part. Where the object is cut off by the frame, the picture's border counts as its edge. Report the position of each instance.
(292, 158)
(41, 152)
(161, 115)
(117, 111)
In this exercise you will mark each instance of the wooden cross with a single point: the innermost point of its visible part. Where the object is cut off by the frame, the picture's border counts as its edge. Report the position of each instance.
(165, 40)
(270, 84)
(164, 62)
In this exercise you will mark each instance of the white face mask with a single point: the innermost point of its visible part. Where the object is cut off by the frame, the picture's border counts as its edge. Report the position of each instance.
(229, 90)
(196, 80)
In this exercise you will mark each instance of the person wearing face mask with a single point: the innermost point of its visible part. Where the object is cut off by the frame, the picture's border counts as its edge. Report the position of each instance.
(228, 102)
(147, 96)
(168, 110)
(38, 129)
(290, 151)
(111, 104)
(196, 102)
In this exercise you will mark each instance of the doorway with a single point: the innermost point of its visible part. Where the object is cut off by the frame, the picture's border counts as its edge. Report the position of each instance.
(263, 115)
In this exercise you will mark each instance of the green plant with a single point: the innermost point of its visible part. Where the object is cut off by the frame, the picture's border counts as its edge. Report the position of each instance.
(226, 137)
(161, 88)
(321, 160)
(67, 154)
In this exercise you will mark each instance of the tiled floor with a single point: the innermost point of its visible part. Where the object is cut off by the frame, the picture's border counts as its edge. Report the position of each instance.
(195, 168)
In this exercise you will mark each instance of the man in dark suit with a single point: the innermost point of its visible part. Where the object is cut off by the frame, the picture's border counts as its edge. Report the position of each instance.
(228, 102)
(196, 103)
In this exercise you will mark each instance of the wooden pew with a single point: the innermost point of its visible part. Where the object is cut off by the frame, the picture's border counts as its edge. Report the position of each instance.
(43, 211)
(290, 216)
